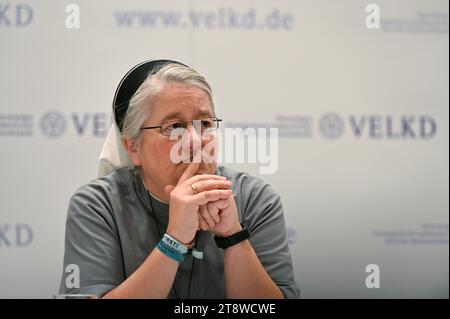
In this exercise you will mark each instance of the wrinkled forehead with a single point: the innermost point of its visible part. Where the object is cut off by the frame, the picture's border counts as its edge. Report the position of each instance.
(183, 102)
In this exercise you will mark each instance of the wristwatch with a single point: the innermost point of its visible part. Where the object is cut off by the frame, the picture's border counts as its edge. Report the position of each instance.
(225, 242)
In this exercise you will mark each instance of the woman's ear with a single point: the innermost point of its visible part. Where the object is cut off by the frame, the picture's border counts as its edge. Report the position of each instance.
(132, 150)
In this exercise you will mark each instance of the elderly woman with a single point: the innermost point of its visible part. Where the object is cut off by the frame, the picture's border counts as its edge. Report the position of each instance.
(166, 228)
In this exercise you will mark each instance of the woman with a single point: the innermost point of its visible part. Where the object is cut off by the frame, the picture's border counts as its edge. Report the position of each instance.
(169, 225)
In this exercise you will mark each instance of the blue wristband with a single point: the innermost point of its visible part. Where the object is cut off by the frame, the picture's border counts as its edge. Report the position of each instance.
(170, 252)
(174, 243)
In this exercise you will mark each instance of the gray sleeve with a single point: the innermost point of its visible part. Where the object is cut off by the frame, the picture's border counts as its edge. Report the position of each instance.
(263, 215)
(92, 243)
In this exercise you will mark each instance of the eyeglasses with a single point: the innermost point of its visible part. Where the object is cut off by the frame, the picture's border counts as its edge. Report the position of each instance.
(207, 124)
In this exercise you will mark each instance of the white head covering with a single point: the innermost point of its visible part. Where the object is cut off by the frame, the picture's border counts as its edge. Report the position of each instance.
(113, 155)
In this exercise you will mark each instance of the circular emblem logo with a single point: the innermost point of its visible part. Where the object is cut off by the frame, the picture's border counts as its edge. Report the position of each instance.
(53, 124)
(331, 125)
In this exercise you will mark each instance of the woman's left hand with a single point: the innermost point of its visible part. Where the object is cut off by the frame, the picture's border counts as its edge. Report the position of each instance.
(220, 217)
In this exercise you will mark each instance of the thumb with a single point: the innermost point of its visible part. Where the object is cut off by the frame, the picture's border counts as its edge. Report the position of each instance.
(168, 189)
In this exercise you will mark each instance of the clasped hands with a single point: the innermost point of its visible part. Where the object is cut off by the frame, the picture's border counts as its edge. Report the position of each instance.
(203, 202)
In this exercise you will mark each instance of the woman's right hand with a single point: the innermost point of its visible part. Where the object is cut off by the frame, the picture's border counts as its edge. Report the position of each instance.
(184, 202)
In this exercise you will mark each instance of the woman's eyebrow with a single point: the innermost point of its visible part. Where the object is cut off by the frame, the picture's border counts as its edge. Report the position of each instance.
(204, 113)
(171, 116)
(178, 115)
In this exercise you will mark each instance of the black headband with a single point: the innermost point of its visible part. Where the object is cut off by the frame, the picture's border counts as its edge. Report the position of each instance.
(130, 84)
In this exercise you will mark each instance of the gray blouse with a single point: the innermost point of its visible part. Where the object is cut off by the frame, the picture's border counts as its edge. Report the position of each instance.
(113, 224)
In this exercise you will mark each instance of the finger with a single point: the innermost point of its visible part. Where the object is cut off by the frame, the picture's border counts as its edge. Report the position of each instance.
(203, 223)
(210, 196)
(213, 210)
(168, 189)
(206, 216)
(190, 171)
(202, 177)
(222, 203)
(210, 185)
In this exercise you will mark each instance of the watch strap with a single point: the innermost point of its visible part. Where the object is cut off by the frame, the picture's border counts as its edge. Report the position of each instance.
(225, 242)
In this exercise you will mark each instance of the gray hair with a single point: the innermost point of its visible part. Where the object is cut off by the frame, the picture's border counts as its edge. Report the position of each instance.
(140, 103)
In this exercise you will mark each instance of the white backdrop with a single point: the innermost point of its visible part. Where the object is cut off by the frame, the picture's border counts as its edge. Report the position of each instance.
(362, 116)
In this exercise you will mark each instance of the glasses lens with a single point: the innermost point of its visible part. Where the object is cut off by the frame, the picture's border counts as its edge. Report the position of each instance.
(206, 125)
(167, 128)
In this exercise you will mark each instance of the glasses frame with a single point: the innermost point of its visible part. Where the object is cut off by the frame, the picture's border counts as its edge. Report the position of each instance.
(214, 118)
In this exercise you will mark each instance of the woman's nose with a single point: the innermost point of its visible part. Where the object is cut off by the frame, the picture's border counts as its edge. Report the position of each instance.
(195, 136)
